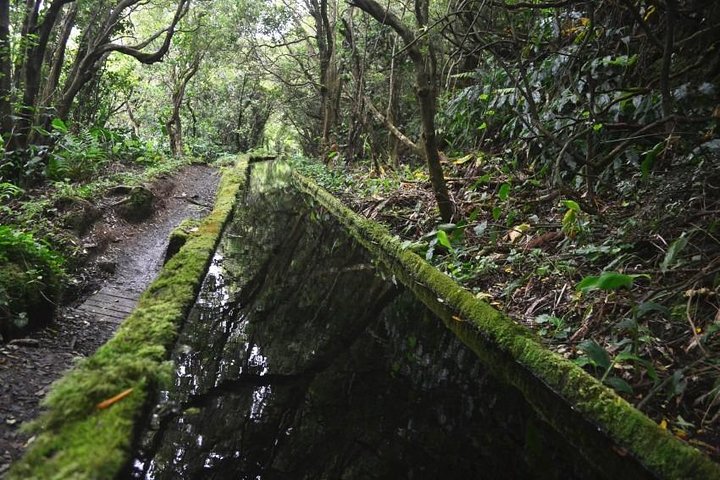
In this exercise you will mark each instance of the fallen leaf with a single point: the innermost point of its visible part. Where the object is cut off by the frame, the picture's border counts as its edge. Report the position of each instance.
(544, 239)
(518, 231)
(112, 400)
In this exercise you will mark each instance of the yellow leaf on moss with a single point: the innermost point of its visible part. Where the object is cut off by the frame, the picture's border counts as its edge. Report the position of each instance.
(112, 400)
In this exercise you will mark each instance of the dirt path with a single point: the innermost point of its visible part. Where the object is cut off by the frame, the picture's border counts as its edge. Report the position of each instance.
(29, 365)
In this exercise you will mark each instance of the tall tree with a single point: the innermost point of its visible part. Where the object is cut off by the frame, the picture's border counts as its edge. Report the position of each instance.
(38, 24)
(330, 86)
(182, 75)
(5, 68)
(421, 51)
(100, 43)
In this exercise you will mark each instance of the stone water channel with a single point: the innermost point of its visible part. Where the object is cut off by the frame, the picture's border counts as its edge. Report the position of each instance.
(302, 360)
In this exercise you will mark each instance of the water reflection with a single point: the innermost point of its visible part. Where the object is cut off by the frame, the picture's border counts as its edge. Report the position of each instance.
(300, 361)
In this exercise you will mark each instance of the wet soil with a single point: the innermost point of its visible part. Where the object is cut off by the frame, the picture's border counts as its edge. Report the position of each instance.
(124, 256)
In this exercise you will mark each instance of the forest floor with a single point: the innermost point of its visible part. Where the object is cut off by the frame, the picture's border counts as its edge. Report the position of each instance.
(124, 256)
(626, 282)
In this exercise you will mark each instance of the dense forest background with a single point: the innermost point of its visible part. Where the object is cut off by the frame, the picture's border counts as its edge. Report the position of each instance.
(589, 93)
(523, 146)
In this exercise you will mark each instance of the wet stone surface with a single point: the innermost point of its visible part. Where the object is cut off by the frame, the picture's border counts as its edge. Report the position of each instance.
(301, 361)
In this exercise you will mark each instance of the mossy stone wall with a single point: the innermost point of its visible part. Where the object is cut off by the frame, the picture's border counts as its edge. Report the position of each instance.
(607, 430)
(74, 438)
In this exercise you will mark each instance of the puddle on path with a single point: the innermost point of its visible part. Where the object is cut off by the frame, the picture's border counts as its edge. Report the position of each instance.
(301, 361)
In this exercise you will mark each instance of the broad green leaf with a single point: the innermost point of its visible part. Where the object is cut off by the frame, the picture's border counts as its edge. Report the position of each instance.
(619, 385)
(649, 159)
(443, 239)
(572, 205)
(671, 256)
(606, 281)
(625, 356)
(504, 191)
(597, 354)
(59, 125)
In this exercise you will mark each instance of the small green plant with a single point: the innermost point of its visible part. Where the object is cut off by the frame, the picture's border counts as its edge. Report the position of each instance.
(599, 358)
(9, 191)
(552, 326)
(76, 157)
(574, 222)
(672, 256)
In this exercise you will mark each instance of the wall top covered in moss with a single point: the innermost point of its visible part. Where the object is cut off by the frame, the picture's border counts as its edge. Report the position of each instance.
(76, 437)
(606, 429)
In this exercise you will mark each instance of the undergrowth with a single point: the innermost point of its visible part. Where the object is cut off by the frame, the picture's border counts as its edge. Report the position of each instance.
(625, 285)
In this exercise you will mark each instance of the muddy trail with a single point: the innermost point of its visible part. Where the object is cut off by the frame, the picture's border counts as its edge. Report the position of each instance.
(126, 260)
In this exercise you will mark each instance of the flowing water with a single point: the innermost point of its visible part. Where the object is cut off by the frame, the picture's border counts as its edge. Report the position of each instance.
(301, 360)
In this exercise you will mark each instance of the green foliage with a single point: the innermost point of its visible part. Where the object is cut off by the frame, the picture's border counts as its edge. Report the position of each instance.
(76, 157)
(31, 277)
(552, 326)
(81, 156)
(607, 281)
(574, 221)
(23, 247)
(671, 257)
(599, 358)
(9, 191)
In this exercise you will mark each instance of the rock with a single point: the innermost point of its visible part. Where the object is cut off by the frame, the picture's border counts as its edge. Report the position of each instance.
(80, 215)
(138, 206)
(120, 190)
(107, 265)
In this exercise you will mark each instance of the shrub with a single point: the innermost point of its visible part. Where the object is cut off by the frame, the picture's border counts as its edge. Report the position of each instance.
(30, 281)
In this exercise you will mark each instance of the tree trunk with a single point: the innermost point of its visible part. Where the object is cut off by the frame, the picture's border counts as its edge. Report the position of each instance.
(421, 53)
(32, 67)
(133, 120)
(392, 110)
(174, 130)
(329, 74)
(5, 69)
(357, 118)
(58, 58)
(240, 142)
(174, 123)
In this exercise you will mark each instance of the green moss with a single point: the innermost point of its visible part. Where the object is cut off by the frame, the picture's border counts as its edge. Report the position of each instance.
(180, 235)
(74, 438)
(558, 389)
